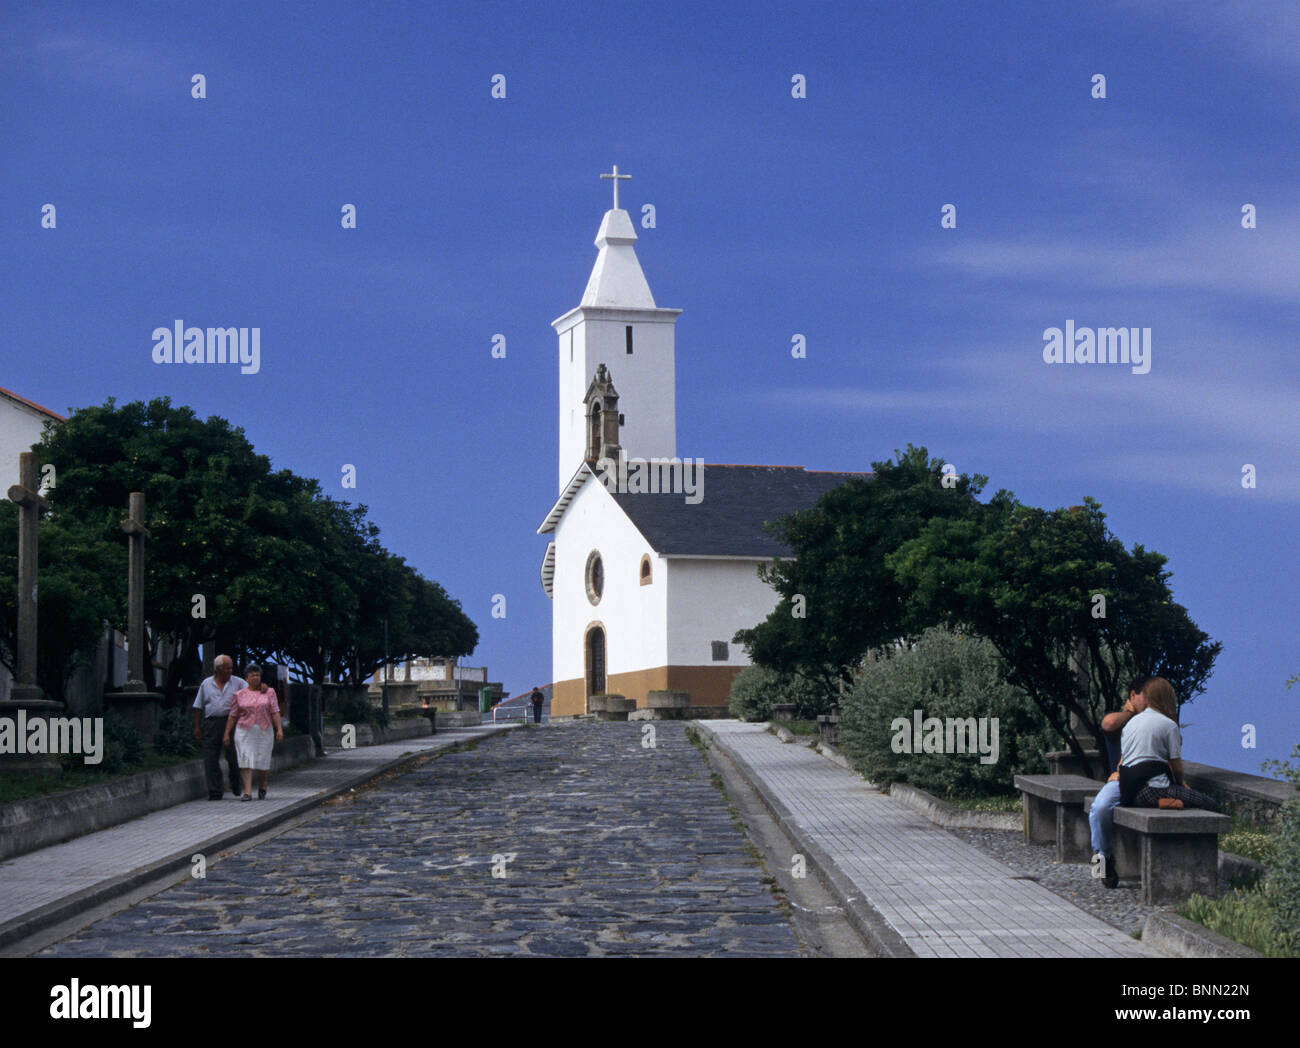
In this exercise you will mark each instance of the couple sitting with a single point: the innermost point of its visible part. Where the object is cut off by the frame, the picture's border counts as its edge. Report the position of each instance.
(1150, 755)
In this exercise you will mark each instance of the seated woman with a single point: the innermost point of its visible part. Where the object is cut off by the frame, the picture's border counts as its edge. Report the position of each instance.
(1151, 755)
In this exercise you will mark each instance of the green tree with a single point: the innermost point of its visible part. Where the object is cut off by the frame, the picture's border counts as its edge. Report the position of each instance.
(838, 598)
(284, 572)
(1029, 580)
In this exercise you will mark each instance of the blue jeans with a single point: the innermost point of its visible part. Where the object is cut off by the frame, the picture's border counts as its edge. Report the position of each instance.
(1101, 816)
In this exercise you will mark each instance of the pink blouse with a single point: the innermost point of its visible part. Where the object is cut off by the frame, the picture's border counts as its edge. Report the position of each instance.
(253, 709)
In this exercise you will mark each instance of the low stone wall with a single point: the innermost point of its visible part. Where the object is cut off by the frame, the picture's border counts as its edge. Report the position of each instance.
(1250, 797)
(39, 822)
(944, 814)
(373, 734)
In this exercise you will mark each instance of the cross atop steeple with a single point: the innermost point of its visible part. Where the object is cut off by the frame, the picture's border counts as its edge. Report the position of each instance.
(617, 178)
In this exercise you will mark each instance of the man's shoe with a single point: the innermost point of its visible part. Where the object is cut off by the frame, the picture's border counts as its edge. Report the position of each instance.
(261, 795)
(246, 797)
(214, 796)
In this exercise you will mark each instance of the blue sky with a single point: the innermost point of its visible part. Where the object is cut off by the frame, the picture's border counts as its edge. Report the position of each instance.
(774, 216)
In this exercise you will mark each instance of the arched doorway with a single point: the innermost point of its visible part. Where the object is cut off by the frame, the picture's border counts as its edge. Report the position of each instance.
(595, 661)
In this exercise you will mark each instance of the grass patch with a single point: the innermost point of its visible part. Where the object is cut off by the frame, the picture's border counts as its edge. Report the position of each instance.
(1249, 840)
(18, 786)
(1243, 916)
(998, 802)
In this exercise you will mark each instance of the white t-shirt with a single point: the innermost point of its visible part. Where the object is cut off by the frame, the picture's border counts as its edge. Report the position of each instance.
(1150, 736)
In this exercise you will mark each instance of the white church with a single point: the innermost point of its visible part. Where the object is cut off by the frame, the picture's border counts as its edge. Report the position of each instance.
(648, 581)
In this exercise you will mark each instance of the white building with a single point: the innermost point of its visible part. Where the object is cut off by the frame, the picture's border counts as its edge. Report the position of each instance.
(648, 587)
(21, 425)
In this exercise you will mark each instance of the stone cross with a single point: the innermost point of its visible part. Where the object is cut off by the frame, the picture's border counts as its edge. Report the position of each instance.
(30, 506)
(137, 534)
(617, 179)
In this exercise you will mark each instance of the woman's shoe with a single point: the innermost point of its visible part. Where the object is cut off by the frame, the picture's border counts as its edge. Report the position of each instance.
(246, 797)
(261, 795)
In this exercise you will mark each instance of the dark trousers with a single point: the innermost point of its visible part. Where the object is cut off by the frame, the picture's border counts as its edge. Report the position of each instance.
(537, 713)
(1149, 797)
(213, 730)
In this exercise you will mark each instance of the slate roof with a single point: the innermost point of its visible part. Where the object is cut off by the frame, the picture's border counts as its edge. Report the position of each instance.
(728, 520)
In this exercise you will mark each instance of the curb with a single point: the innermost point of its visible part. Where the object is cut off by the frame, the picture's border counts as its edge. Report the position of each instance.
(20, 928)
(1166, 930)
(944, 814)
(879, 934)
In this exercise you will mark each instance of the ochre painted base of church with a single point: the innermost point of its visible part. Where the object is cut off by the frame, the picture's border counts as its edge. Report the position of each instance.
(708, 685)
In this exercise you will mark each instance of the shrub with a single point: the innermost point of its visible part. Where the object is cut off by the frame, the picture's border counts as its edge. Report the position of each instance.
(756, 690)
(944, 675)
(1247, 917)
(1283, 883)
(176, 734)
(356, 708)
(123, 746)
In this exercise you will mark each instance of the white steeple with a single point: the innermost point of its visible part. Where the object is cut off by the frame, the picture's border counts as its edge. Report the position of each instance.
(618, 324)
(616, 278)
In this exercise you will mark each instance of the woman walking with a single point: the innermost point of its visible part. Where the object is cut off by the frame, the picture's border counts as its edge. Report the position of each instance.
(255, 720)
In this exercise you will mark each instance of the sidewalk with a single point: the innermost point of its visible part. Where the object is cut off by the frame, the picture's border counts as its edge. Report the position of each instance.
(45, 887)
(926, 893)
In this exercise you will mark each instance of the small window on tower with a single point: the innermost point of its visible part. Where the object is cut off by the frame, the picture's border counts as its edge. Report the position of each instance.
(719, 651)
(628, 332)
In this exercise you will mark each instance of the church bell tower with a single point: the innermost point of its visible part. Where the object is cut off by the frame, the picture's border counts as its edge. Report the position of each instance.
(618, 329)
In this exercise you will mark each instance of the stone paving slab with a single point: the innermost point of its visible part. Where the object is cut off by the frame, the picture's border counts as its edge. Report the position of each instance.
(573, 840)
(941, 896)
(52, 884)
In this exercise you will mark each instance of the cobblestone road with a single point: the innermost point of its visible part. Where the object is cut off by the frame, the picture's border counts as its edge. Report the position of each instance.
(608, 848)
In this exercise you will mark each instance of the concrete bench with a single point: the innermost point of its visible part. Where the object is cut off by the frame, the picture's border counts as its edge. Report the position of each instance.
(1055, 811)
(1175, 853)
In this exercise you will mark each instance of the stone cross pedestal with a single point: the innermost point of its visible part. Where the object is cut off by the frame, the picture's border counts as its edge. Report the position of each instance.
(136, 702)
(25, 695)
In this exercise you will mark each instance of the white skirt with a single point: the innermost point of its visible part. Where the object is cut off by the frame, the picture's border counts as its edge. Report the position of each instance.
(253, 747)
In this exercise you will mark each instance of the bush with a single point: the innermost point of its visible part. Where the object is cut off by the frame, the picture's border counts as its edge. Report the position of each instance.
(1248, 917)
(123, 745)
(356, 708)
(944, 675)
(755, 690)
(176, 734)
(1283, 883)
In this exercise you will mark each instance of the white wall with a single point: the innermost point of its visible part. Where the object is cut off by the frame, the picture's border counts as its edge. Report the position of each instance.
(645, 380)
(709, 600)
(20, 428)
(634, 616)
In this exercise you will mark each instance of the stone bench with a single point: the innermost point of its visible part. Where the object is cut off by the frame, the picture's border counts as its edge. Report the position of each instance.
(1055, 811)
(1175, 853)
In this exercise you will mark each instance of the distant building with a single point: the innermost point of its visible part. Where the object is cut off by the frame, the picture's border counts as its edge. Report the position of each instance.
(440, 682)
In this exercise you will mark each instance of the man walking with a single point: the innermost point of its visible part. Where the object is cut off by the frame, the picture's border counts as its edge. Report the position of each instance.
(211, 708)
(538, 698)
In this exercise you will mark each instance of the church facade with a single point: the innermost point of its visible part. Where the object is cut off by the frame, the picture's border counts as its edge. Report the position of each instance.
(653, 562)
